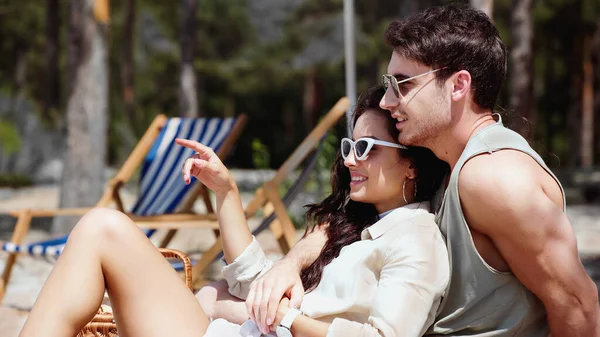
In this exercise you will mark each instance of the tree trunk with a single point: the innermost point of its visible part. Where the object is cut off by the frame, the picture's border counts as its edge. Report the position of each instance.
(574, 116)
(87, 116)
(587, 107)
(310, 99)
(550, 125)
(127, 77)
(74, 37)
(521, 98)
(486, 6)
(188, 99)
(595, 59)
(52, 80)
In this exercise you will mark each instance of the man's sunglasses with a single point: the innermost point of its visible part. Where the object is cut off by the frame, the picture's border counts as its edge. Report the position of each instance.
(390, 81)
(362, 146)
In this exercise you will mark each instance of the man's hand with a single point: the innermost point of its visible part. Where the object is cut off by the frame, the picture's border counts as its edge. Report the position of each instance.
(282, 309)
(266, 293)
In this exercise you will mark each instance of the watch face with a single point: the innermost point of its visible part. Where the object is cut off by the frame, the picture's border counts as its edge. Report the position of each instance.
(283, 332)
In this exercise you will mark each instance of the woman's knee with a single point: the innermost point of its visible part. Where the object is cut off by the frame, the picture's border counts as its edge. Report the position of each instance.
(217, 302)
(207, 296)
(104, 224)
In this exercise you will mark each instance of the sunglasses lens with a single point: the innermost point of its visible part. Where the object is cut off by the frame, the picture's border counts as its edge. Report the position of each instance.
(385, 81)
(390, 81)
(361, 148)
(346, 148)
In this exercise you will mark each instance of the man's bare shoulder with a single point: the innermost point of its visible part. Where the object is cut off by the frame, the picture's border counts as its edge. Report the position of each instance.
(506, 171)
(499, 187)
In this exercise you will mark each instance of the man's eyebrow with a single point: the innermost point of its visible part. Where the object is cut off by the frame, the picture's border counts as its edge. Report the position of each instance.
(400, 76)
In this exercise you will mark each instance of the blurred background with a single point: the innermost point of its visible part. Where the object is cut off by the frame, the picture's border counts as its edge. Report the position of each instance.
(81, 80)
(280, 62)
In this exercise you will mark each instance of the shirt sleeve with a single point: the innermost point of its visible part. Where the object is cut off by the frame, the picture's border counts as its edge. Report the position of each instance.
(246, 268)
(413, 279)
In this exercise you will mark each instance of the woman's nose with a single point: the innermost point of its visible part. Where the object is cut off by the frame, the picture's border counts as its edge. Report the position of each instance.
(350, 160)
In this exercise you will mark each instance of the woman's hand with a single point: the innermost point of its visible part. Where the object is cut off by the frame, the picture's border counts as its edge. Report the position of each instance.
(206, 166)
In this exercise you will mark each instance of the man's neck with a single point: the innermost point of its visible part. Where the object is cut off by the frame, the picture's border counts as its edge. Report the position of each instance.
(450, 144)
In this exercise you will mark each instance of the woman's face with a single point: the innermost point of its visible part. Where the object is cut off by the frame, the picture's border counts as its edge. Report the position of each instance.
(378, 179)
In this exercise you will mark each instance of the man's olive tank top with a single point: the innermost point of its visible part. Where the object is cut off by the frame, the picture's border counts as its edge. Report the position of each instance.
(481, 301)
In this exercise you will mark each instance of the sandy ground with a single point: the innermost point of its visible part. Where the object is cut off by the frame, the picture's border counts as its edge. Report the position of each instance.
(29, 273)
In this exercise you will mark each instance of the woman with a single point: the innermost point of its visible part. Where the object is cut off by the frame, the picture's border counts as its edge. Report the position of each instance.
(383, 270)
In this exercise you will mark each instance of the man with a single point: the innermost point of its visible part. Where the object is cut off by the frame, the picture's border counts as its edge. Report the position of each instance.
(513, 254)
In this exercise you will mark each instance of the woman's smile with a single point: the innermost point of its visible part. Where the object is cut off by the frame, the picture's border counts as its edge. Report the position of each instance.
(357, 178)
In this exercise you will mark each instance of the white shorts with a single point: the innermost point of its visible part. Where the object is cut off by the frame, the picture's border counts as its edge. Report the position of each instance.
(222, 328)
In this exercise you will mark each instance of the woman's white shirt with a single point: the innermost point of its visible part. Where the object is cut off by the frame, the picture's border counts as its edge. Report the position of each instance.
(390, 283)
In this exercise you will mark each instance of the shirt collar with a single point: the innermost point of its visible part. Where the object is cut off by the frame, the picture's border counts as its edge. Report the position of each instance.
(392, 219)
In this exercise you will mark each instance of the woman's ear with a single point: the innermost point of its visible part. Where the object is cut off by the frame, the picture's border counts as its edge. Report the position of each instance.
(411, 172)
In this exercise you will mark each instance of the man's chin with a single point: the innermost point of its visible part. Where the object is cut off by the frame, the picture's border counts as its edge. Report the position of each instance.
(407, 140)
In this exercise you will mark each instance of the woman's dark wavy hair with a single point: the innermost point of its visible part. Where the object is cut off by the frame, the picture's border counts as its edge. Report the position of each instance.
(344, 218)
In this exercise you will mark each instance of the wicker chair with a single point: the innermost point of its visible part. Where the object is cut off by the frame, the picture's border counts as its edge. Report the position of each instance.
(103, 324)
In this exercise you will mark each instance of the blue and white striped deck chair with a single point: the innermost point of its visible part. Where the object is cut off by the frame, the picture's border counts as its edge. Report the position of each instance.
(163, 196)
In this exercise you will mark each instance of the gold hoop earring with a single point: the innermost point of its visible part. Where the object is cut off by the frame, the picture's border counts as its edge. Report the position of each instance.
(403, 191)
(415, 180)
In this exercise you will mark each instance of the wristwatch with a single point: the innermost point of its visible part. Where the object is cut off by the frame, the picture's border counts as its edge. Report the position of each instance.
(285, 326)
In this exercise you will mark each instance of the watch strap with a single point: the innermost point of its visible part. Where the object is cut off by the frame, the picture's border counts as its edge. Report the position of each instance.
(289, 318)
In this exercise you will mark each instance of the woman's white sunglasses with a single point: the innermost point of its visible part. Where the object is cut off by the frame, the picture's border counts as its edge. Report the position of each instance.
(362, 146)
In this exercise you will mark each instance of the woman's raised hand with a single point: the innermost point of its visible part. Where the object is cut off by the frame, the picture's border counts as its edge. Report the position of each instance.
(206, 166)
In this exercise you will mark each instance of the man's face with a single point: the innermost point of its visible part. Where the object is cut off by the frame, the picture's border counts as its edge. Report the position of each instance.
(423, 109)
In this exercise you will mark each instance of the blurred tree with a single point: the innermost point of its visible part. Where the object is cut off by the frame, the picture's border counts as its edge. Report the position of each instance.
(188, 95)
(595, 59)
(52, 78)
(278, 61)
(310, 104)
(127, 75)
(587, 106)
(575, 59)
(521, 98)
(84, 163)
(486, 6)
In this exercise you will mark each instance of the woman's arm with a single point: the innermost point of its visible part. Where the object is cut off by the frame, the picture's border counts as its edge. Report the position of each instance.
(206, 166)
(245, 259)
(234, 229)
(412, 281)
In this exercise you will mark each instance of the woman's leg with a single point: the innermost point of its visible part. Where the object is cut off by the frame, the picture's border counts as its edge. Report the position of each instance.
(217, 302)
(106, 250)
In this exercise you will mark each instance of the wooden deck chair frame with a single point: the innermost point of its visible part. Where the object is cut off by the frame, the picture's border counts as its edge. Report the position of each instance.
(268, 199)
(183, 218)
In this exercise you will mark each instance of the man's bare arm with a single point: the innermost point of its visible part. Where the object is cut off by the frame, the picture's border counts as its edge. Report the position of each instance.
(307, 249)
(283, 280)
(503, 198)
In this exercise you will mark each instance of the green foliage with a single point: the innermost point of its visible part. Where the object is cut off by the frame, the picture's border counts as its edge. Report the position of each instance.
(238, 72)
(10, 142)
(15, 180)
(260, 154)
(325, 161)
